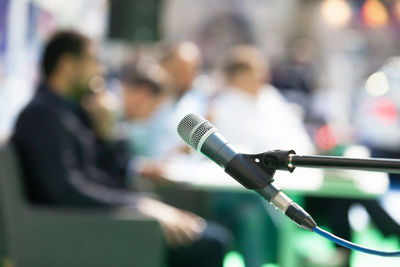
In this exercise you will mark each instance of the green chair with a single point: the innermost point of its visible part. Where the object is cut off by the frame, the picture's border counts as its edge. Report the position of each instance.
(39, 237)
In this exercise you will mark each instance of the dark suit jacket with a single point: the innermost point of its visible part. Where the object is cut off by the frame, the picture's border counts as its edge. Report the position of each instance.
(63, 161)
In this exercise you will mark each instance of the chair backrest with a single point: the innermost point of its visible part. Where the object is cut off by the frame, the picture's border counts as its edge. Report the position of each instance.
(11, 196)
(11, 188)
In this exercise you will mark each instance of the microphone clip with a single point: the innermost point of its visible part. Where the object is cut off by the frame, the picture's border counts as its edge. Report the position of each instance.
(256, 171)
(278, 159)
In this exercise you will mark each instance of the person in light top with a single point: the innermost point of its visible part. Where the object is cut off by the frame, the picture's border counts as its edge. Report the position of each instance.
(157, 134)
(255, 118)
(253, 114)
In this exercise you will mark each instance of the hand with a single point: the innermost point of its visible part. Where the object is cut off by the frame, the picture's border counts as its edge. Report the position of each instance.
(154, 173)
(180, 228)
(151, 169)
(100, 108)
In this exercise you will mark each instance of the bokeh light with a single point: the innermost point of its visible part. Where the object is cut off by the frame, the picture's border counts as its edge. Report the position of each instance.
(377, 84)
(385, 110)
(336, 13)
(374, 14)
(326, 138)
(396, 10)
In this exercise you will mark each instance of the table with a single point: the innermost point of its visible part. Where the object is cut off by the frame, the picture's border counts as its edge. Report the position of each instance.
(306, 181)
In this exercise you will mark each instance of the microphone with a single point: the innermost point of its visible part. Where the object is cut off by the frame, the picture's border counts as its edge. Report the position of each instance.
(248, 170)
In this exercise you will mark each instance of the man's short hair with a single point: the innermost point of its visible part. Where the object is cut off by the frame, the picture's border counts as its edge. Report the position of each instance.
(142, 74)
(187, 51)
(233, 68)
(238, 59)
(61, 43)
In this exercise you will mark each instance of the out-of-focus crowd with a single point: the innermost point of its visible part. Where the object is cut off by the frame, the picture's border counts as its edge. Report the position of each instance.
(82, 142)
(102, 135)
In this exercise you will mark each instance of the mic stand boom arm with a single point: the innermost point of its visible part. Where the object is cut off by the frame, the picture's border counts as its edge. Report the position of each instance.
(288, 160)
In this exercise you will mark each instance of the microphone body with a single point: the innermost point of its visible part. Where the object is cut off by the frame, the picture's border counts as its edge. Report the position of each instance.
(248, 170)
(243, 168)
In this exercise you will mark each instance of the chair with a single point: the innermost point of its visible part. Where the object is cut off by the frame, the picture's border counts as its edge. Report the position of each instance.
(39, 236)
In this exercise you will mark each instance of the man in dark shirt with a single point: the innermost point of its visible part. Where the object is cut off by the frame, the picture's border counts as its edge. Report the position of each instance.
(69, 159)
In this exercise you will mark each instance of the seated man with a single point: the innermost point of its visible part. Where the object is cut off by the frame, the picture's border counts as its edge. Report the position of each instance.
(156, 137)
(143, 89)
(70, 160)
(267, 120)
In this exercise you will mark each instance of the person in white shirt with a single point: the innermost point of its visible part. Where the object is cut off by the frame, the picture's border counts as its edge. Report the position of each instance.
(255, 118)
(252, 114)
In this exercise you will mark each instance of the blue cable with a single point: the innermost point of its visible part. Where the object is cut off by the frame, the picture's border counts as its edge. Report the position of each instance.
(353, 246)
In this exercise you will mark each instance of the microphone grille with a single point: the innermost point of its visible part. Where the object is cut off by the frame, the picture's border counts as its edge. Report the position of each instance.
(192, 128)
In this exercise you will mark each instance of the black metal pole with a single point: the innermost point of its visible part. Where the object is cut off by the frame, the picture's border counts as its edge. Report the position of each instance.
(378, 164)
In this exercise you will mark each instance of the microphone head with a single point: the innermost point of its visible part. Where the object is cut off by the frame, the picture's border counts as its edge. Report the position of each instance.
(194, 129)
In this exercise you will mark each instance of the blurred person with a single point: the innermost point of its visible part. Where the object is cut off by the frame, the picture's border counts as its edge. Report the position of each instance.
(69, 158)
(296, 76)
(181, 63)
(297, 73)
(143, 92)
(265, 120)
(254, 117)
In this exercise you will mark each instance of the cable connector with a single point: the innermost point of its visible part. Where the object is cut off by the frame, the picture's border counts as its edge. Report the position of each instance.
(287, 206)
(300, 217)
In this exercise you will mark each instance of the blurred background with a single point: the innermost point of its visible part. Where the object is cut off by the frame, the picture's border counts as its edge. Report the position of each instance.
(320, 52)
(335, 62)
